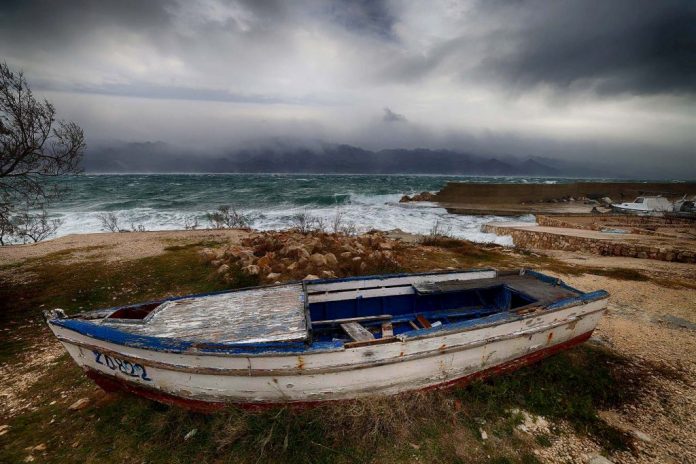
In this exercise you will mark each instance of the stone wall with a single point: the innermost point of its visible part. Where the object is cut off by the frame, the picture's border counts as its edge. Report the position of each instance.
(611, 220)
(529, 239)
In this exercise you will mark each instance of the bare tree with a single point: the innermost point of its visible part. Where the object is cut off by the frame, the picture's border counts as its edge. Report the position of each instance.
(337, 222)
(305, 223)
(33, 147)
(7, 229)
(137, 228)
(191, 223)
(340, 226)
(109, 221)
(440, 230)
(226, 217)
(36, 226)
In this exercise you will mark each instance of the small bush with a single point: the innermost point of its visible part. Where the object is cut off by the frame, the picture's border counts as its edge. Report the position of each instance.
(227, 217)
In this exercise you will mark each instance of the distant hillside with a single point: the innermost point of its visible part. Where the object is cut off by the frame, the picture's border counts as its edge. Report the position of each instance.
(319, 158)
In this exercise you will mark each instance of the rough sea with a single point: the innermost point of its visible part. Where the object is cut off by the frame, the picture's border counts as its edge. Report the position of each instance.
(166, 201)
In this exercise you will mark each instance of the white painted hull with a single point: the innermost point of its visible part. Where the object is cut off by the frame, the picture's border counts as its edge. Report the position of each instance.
(345, 373)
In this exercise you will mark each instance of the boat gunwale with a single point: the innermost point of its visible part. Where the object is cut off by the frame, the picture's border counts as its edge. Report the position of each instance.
(290, 348)
(247, 372)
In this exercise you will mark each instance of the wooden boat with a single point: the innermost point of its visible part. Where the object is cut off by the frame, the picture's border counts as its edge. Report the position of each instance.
(325, 340)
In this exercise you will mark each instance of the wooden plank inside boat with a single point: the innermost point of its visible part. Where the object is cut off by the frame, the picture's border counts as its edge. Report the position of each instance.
(542, 292)
(261, 315)
(357, 332)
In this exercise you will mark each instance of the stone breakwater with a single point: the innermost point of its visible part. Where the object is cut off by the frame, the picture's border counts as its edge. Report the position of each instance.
(528, 238)
(496, 194)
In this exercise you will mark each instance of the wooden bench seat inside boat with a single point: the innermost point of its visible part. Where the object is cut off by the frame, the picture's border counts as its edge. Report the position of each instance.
(541, 292)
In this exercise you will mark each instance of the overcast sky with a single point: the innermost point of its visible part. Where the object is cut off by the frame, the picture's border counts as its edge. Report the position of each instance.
(607, 80)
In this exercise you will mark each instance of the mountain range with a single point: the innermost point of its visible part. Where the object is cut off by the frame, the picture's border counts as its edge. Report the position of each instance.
(150, 157)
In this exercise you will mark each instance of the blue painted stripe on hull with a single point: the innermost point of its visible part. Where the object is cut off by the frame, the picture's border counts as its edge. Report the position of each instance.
(173, 345)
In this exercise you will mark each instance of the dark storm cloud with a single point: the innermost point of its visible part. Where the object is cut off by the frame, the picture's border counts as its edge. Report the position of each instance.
(364, 16)
(618, 46)
(43, 25)
(390, 116)
(610, 47)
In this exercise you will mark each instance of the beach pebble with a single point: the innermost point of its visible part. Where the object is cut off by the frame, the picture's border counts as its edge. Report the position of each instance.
(82, 403)
(598, 459)
(642, 436)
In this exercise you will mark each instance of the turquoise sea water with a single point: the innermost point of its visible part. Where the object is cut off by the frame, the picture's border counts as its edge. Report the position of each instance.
(165, 201)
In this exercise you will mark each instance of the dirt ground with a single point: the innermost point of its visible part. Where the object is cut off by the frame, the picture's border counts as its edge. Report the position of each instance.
(114, 246)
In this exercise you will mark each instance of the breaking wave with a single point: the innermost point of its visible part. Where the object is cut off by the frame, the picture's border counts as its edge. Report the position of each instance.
(164, 202)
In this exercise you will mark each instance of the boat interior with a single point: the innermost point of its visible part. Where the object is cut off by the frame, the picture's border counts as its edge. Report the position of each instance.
(370, 311)
(353, 311)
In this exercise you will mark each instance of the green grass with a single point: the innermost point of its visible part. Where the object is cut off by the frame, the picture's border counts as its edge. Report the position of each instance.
(621, 274)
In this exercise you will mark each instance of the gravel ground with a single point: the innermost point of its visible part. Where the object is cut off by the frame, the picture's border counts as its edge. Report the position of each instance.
(663, 422)
(115, 246)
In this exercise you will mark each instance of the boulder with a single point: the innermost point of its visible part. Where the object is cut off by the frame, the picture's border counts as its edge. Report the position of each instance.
(265, 260)
(224, 268)
(273, 276)
(345, 255)
(423, 196)
(357, 259)
(330, 259)
(292, 266)
(405, 199)
(295, 251)
(310, 277)
(328, 275)
(251, 269)
(318, 259)
(278, 267)
(606, 201)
